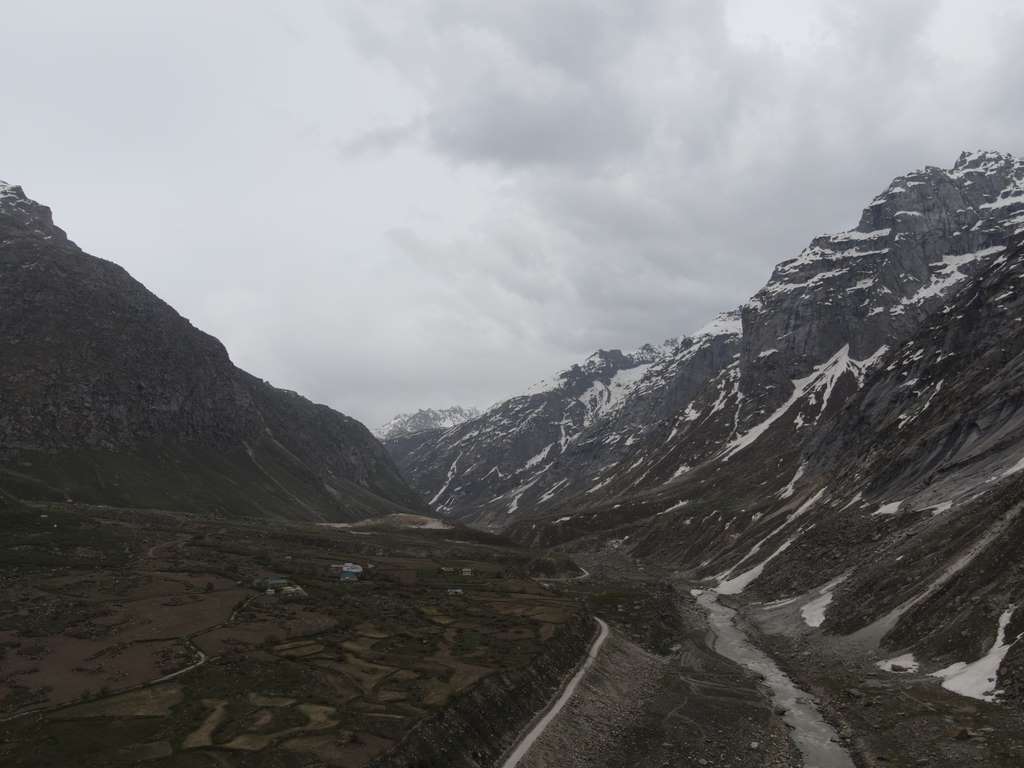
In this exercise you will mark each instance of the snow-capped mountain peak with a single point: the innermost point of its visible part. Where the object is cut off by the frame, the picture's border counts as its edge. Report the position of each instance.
(425, 419)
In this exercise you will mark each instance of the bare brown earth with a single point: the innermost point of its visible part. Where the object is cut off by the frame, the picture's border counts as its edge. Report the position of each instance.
(135, 637)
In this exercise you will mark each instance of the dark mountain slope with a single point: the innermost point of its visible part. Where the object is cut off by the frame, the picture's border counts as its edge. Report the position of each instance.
(107, 395)
(620, 440)
(924, 473)
(565, 437)
(905, 513)
(498, 457)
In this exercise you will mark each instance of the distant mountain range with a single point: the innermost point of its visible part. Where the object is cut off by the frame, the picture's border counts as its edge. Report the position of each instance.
(109, 396)
(423, 420)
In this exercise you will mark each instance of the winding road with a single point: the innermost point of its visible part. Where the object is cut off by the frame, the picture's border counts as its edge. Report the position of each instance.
(541, 725)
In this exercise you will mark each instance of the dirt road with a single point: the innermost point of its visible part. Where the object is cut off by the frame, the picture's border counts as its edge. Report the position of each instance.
(541, 725)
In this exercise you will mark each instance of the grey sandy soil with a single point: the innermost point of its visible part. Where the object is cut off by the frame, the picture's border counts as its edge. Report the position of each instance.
(692, 707)
(567, 694)
(888, 719)
(818, 742)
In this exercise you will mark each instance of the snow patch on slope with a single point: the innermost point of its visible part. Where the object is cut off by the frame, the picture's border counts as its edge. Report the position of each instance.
(948, 273)
(739, 583)
(813, 612)
(977, 680)
(790, 487)
(821, 380)
(906, 662)
(725, 324)
(602, 398)
(451, 476)
(890, 508)
(1018, 467)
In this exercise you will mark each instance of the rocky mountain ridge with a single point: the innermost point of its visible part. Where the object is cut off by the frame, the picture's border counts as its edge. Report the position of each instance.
(501, 455)
(425, 419)
(782, 363)
(107, 395)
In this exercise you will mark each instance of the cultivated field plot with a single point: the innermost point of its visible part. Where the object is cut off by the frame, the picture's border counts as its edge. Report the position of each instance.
(135, 637)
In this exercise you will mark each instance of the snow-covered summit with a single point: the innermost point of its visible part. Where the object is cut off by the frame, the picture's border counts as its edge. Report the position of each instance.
(918, 240)
(22, 214)
(10, 193)
(425, 419)
(983, 161)
(724, 324)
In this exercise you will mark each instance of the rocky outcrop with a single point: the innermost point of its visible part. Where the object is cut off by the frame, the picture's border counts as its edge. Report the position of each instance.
(108, 395)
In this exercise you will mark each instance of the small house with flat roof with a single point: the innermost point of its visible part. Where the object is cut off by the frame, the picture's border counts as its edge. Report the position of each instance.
(347, 571)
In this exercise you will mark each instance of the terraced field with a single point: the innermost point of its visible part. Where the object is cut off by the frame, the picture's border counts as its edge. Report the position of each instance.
(128, 640)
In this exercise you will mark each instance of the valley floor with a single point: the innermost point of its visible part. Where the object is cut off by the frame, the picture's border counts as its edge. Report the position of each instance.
(645, 704)
(140, 637)
(657, 694)
(889, 718)
(137, 638)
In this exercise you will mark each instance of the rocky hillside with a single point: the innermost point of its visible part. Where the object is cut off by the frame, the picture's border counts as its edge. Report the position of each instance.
(634, 427)
(487, 467)
(425, 420)
(855, 442)
(883, 490)
(107, 395)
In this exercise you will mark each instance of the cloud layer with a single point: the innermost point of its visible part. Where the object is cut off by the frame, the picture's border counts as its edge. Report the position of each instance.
(390, 206)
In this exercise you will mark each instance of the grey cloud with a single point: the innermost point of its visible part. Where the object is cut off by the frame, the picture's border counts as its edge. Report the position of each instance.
(395, 205)
(382, 139)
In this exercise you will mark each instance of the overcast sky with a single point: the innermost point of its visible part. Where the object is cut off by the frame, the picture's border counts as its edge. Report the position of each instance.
(393, 205)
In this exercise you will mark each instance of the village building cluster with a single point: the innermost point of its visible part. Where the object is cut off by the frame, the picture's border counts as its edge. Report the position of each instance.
(284, 588)
(280, 586)
(452, 571)
(347, 571)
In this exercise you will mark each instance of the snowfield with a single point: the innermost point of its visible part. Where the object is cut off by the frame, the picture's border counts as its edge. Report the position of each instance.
(977, 680)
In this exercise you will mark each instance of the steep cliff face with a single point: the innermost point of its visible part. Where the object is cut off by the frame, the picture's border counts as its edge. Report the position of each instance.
(109, 395)
(922, 488)
(826, 317)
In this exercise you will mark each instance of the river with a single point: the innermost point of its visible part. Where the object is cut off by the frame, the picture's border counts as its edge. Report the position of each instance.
(816, 739)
